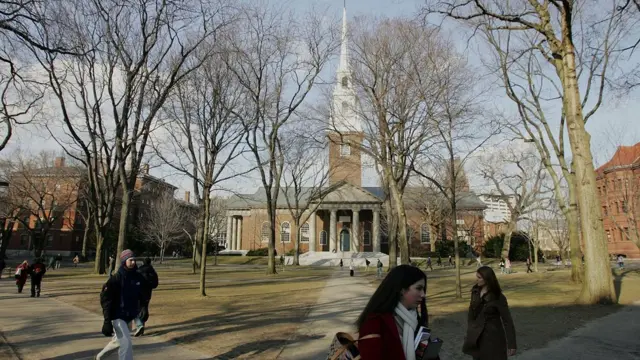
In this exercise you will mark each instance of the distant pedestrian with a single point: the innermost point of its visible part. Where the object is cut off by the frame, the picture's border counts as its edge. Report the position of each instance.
(22, 271)
(76, 260)
(429, 263)
(149, 274)
(120, 299)
(351, 269)
(621, 262)
(507, 265)
(502, 263)
(37, 271)
(341, 264)
(529, 265)
(439, 261)
(366, 264)
(491, 333)
(478, 262)
(58, 261)
(379, 269)
(52, 263)
(3, 264)
(450, 260)
(112, 265)
(558, 260)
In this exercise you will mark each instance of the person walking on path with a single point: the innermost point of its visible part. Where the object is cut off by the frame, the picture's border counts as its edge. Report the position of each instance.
(58, 261)
(429, 266)
(389, 321)
(120, 299)
(76, 260)
(112, 265)
(621, 262)
(52, 262)
(351, 269)
(37, 271)
(439, 261)
(507, 265)
(379, 269)
(491, 334)
(3, 264)
(22, 271)
(341, 264)
(502, 266)
(529, 265)
(151, 278)
(366, 264)
(450, 260)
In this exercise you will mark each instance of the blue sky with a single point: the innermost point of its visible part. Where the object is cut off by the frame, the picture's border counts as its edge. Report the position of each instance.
(616, 123)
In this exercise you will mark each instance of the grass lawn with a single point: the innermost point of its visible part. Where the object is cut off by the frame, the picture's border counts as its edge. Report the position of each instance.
(246, 314)
(542, 305)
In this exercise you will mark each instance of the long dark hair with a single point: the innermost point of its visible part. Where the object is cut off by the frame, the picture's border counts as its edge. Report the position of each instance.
(490, 280)
(389, 293)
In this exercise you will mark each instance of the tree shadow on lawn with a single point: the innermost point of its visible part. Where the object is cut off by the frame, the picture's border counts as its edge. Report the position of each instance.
(618, 277)
(535, 326)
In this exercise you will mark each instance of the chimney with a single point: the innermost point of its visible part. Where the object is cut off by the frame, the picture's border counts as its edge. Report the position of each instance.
(58, 162)
(187, 196)
(145, 169)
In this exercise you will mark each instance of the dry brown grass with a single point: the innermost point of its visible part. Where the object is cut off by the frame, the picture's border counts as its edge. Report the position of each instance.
(246, 314)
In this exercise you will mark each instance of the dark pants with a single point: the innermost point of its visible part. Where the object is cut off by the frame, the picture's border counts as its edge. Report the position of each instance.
(529, 268)
(350, 272)
(35, 284)
(429, 267)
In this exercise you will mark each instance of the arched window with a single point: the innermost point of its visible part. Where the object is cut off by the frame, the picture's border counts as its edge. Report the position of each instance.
(345, 81)
(285, 232)
(345, 150)
(367, 237)
(323, 237)
(425, 234)
(304, 233)
(264, 233)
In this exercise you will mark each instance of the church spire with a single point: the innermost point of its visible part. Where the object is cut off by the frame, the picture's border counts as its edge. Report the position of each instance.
(344, 57)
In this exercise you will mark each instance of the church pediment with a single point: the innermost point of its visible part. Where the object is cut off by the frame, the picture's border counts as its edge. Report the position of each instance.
(348, 193)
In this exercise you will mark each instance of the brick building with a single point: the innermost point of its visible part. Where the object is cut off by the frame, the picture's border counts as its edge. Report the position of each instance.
(350, 217)
(618, 184)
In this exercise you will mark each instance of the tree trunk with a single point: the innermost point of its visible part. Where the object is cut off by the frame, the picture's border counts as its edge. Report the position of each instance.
(391, 234)
(296, 245)
(7, 231)
(536, 246)
(598, 284)
(161, 252)
(124, 221)
(203, 259)
(271, 265)
(87, 227)
(99, 267)
(195, 256)
(455, 250)
(577, 271)
(403, 241)
(506, 246)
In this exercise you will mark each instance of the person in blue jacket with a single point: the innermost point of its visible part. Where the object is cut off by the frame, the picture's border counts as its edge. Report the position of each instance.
(121, 299)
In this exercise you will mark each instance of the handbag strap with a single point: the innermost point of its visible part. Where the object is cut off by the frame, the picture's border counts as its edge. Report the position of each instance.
(345, 347)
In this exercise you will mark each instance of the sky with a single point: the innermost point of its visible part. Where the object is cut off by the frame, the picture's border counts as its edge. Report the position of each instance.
(616, 123)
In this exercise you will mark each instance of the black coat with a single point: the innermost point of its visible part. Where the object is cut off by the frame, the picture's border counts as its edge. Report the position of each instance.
(110, 297)
(490, 328)
(151, 277)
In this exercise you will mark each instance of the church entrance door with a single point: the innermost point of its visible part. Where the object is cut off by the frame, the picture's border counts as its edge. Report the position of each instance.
(345, 240)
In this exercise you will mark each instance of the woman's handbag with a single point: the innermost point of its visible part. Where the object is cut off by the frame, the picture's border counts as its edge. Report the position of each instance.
(345, 346)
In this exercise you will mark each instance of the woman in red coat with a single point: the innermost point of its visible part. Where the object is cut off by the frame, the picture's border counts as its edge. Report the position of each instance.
(21, 278)
(392, 313)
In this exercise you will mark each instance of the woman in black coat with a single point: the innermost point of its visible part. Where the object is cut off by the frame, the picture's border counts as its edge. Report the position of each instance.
(491, 334)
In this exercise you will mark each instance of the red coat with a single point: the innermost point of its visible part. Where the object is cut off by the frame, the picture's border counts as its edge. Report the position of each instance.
(388, 346)
(23, 275)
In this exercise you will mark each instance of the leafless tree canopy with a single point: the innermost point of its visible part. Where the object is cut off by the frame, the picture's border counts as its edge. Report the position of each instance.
(163, 223)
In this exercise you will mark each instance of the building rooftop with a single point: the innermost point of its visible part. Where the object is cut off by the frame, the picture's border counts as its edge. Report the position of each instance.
(625, 156)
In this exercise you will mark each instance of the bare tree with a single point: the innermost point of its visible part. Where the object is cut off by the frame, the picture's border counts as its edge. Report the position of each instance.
(162, 223)
(518, 178)
(277, 60)
(305, 179)
(42, 195)
(396, 86)
(205, 136)
(573, 40)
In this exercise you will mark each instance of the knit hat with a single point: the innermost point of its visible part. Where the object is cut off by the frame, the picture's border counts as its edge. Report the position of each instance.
(127, 254)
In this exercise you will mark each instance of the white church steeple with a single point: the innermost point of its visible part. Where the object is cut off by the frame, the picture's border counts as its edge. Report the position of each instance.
(344, 118)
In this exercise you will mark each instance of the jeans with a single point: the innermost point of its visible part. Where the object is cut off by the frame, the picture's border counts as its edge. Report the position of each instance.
(35, 287)
(379, 272)
(121, 340)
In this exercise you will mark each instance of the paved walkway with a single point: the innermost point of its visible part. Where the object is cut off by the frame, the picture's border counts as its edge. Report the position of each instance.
(337, 308)
(612, 337)
(45, 328)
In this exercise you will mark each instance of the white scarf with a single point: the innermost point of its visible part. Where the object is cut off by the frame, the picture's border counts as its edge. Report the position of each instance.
(407, 320)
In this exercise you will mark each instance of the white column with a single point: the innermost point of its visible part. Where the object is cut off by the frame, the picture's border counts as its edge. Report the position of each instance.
(238, 244)
(312, 232)
(376, 231)
(355, 242)
(234, 233)
(229, 231)
(333, 225)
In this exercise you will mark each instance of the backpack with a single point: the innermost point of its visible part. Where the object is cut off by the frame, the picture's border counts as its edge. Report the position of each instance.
(367, 261)
(345, 346)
